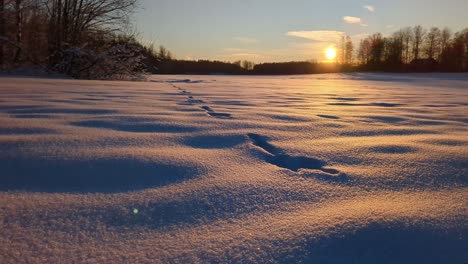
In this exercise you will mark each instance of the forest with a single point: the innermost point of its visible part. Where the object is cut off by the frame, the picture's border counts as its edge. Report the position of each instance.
(94, 39)
(86, 39)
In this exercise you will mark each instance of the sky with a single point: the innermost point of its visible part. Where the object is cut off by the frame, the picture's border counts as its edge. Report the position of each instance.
(281, 30)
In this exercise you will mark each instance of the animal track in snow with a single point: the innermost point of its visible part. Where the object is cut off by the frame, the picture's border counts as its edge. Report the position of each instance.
(366, 104)
(213, 113)
(294, 163)
(329, 116)
(192, 101)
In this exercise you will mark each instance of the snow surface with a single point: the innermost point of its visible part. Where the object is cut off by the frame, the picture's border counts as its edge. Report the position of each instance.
(338, 168)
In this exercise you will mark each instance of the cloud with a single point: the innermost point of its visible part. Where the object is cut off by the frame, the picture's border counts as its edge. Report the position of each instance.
(389, 26)
(246, 40)
(352, 20)
(370, 8)
(319, 36)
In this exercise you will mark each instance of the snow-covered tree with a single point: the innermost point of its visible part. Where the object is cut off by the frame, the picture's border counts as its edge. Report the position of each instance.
(119, 61)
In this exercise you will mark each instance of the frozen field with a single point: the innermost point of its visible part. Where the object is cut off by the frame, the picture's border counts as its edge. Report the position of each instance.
(358, 168)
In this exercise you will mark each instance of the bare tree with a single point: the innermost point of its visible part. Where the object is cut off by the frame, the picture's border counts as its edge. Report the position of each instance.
(349, 49)
(407, 34)
(394, 47)
(377, 48)
(71, 19)
(342, 50)
(164, 54)
(2, 32)
(34, 35)
(19, 28)
(432, 43)
(418, 34)
(463, 39)
(445, 37)
(364, 51)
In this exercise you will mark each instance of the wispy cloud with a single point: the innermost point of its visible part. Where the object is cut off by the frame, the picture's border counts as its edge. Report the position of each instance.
(319, 35)
(389, 26)
(246, 40)
(354, 21)
(370, 8)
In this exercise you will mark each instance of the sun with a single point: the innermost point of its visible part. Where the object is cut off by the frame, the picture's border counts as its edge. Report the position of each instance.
(330, 53)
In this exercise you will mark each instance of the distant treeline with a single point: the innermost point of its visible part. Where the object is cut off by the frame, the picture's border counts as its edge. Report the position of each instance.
(87, 39)
(174, 66)
(412, 49)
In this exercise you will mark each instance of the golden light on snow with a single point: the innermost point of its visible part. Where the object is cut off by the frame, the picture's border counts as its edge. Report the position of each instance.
(234, 168)
(330, 53)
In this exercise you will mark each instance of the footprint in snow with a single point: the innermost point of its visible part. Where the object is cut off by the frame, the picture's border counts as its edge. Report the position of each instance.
(213, 113)
(278, 157)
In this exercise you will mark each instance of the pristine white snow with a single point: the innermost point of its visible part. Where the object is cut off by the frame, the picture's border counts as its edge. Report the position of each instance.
(338, 168)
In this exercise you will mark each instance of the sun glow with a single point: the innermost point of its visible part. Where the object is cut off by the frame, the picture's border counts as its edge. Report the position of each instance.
(330, 53)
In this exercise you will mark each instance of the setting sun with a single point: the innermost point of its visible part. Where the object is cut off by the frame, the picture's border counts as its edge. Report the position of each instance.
(330, 53)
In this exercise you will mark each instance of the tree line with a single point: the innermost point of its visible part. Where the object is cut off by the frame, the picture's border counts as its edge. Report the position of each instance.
(93, 39)
(415, 49)
(411, 49)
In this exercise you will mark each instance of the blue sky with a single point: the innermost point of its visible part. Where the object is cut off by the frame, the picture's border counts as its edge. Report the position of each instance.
(281, 30)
